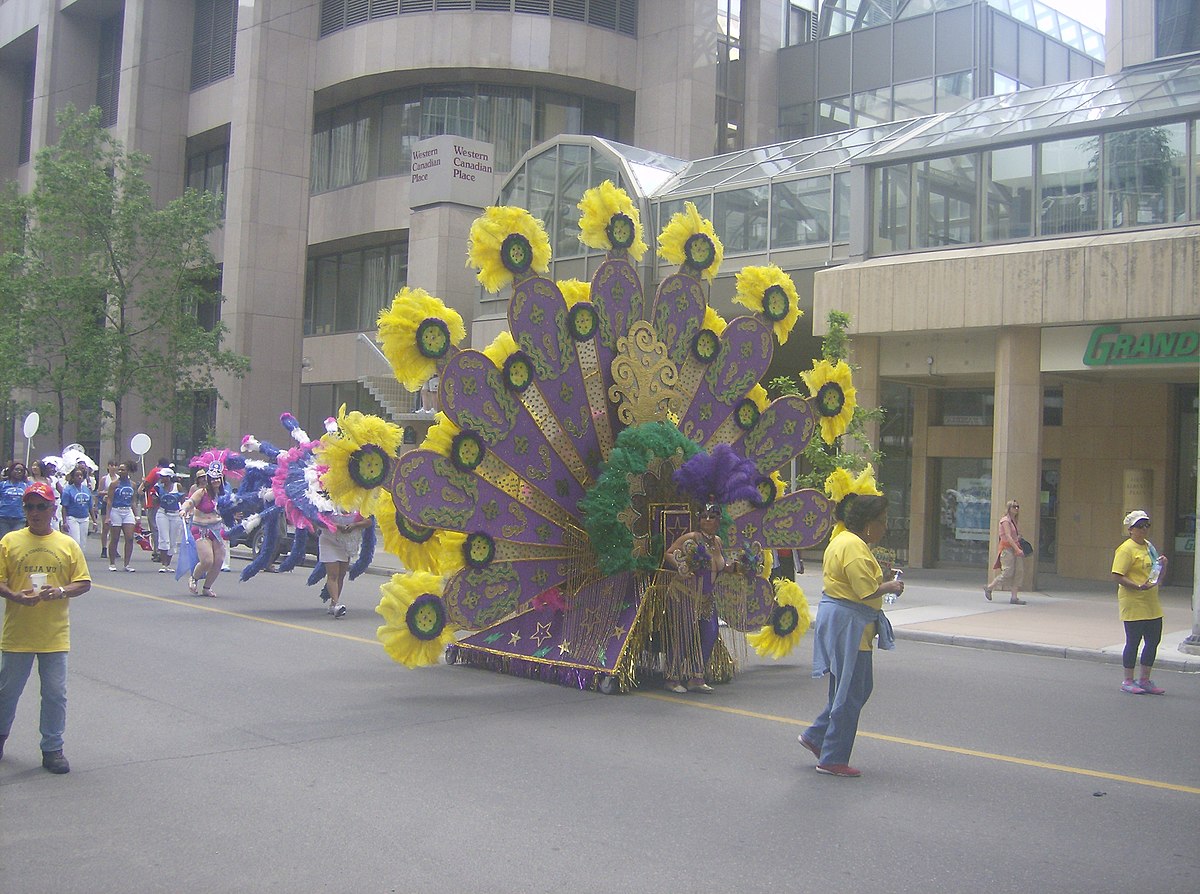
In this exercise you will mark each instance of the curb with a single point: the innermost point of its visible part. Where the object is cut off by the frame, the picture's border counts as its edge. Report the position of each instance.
(1189, 664)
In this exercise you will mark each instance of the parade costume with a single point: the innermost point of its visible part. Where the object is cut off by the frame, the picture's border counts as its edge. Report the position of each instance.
(536, 513)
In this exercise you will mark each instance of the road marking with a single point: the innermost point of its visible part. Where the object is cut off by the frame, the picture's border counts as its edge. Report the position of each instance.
(203, 606)
(724, 709)
(934, 746)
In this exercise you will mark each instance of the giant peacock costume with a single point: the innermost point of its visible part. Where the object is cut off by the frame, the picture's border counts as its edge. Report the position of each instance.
(536, 514)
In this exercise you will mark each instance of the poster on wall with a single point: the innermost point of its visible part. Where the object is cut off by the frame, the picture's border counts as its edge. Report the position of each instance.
(972, 509)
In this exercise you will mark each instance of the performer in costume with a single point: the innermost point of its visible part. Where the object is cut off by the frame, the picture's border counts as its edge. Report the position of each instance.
(200, 511)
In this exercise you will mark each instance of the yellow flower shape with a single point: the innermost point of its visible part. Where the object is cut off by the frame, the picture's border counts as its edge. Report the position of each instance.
(690, 240)
(758, 394)
(502, 347)
(834, 397)
(772, 293)
(789, 622)
(441, 435)
(416, 630)
(507, 243)
(610, 221)
(575, 291)
(714, 321)
(416, 332)
(358, 458)
(418, 548)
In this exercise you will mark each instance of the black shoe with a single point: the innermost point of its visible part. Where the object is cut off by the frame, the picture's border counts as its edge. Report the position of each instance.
(55, 762)
(104, 553)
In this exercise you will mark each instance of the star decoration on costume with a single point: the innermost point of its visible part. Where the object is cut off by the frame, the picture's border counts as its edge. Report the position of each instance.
(514, 639)
(618, 632)
(542, 633)
(564, 647)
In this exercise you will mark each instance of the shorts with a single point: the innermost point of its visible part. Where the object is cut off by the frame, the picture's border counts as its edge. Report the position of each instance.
(338, 546)
(121, 515)
(211, 531)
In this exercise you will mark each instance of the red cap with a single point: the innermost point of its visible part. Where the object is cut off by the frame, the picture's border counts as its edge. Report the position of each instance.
(41, 489)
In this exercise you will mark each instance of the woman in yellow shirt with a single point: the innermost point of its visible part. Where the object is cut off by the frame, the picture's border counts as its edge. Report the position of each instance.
(1136, 568)
(849, 617)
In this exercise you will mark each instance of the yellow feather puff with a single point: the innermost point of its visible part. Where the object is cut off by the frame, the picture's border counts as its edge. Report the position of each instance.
(415, 631)
(752, 286)
(366, 429)
(838, 484)
(714, 321)
(502, 347)
(357, 457)
(488, 233)
(834, 396)
(440, 435)
(398, 327)
(758, 394)
(774, 643)
(598, 205)
(682, 226)
(575, 291)
(440, 554)
(780, 485)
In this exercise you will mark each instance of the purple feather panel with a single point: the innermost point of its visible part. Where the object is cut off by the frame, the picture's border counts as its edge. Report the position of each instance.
(747, 345)
(782, 432)
(800, 520)
(678, 313)
(480, 597)
(617, 297)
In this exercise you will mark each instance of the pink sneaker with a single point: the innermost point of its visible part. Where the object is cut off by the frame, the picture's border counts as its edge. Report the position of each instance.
(1132, 687)
(1148, 686)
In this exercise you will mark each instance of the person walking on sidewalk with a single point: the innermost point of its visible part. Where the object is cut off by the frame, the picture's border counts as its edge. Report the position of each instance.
(849, 616)
(40, 569)
(1010, 558)
(1136, 568)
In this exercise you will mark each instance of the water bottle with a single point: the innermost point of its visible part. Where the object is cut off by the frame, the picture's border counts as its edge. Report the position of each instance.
(890, 598)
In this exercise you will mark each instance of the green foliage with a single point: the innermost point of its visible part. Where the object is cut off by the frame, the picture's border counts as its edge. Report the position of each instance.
(105, 284)
(819, 459)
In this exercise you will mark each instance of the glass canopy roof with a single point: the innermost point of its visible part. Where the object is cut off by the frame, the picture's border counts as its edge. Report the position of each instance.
(1108, 100)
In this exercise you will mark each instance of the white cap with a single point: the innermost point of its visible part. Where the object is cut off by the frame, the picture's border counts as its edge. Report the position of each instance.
(1134, 517)
(166, 472)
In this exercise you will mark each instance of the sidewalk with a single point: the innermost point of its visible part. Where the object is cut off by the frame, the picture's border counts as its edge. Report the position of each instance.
(1066, 617)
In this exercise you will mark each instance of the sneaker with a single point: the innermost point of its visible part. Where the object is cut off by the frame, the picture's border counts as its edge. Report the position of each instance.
(130, 569)
(324, 594)
(844, 770)
(987, 594)
(112, 567)
(339, 611)
(226, 567)
(104, 553)
(55, 762)
(816, 752)
(1149, 687)
(1132, 687)
(329, 609)
(163, 569)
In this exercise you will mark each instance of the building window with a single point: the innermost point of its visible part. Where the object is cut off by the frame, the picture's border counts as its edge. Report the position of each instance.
(214, 41)
(800, 212)
(345, 291)
(1067, 186)
(1009, 179)
(1176, 27)
(1145, 178)
(373, 137)
(893, 192)
(833, 115)
(913, 100)
(740, 218)
(209, 171)
(841, 207)
(613, 15)
(964, 406)
(873, 107)
(945, 201)
(108, 75)
(799, 26)
(731, 77)
(200, 408)
(953, 91)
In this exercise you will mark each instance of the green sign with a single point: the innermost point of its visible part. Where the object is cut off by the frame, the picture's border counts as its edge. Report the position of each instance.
(1109, 346)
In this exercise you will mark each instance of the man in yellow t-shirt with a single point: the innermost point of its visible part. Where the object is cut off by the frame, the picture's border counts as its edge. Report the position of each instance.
(40, 569)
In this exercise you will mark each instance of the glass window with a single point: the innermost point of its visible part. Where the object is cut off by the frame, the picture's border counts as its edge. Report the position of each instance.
(841, 207)
(892, 206)
(945, 201)
(740, 218)
(667, 210)
(833, 115)
(800, 212)
(572, 184)
(1009, 193)
(543, 186)
(556, 113)
(953, 91)
(1067, 195)
(873, 107)
(1002, 85)
(349, 291)
(345, 291)
(506, 120)
(448, 110)
(1146, 176)
(913, 100)
(1004, 44)
(320, 154)
(1176, 27)
(325, 299)
(399, 128)
(965, 511)
(1195, 169)
(374, 287)
(964, 406)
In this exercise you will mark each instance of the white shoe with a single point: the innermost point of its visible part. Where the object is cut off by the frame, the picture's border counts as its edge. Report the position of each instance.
(226, 567)
(339, 611)
(163, 569)
(112, 567)
(130, 569)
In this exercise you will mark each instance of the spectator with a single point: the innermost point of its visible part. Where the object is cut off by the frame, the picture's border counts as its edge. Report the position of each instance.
(1009, 556)
(1136, 568)
(12, 490)
(78, 506)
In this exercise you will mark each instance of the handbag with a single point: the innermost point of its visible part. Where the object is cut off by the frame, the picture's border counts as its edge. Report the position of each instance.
(1026, 547)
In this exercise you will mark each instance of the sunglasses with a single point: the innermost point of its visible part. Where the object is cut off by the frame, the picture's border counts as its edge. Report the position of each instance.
(38, 507)
(1142, 524)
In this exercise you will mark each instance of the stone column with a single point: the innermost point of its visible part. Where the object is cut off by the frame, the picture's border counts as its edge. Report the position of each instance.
(437, 259)
(1017, 438)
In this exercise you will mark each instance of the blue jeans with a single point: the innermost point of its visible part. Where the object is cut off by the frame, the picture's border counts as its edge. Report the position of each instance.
(834, 731)
(52, 669)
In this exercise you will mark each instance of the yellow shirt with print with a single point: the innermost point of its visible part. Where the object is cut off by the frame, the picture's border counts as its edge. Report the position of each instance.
(1133, 561)
(43, 627)
(852, 573)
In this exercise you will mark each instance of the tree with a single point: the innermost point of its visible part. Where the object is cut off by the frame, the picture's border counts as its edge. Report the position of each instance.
(820, 459)
(109, 287)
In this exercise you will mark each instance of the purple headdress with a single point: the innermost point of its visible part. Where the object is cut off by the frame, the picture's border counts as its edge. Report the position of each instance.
(719, 477)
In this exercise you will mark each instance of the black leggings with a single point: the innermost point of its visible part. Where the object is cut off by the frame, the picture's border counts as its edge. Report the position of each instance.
(1135, 631)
